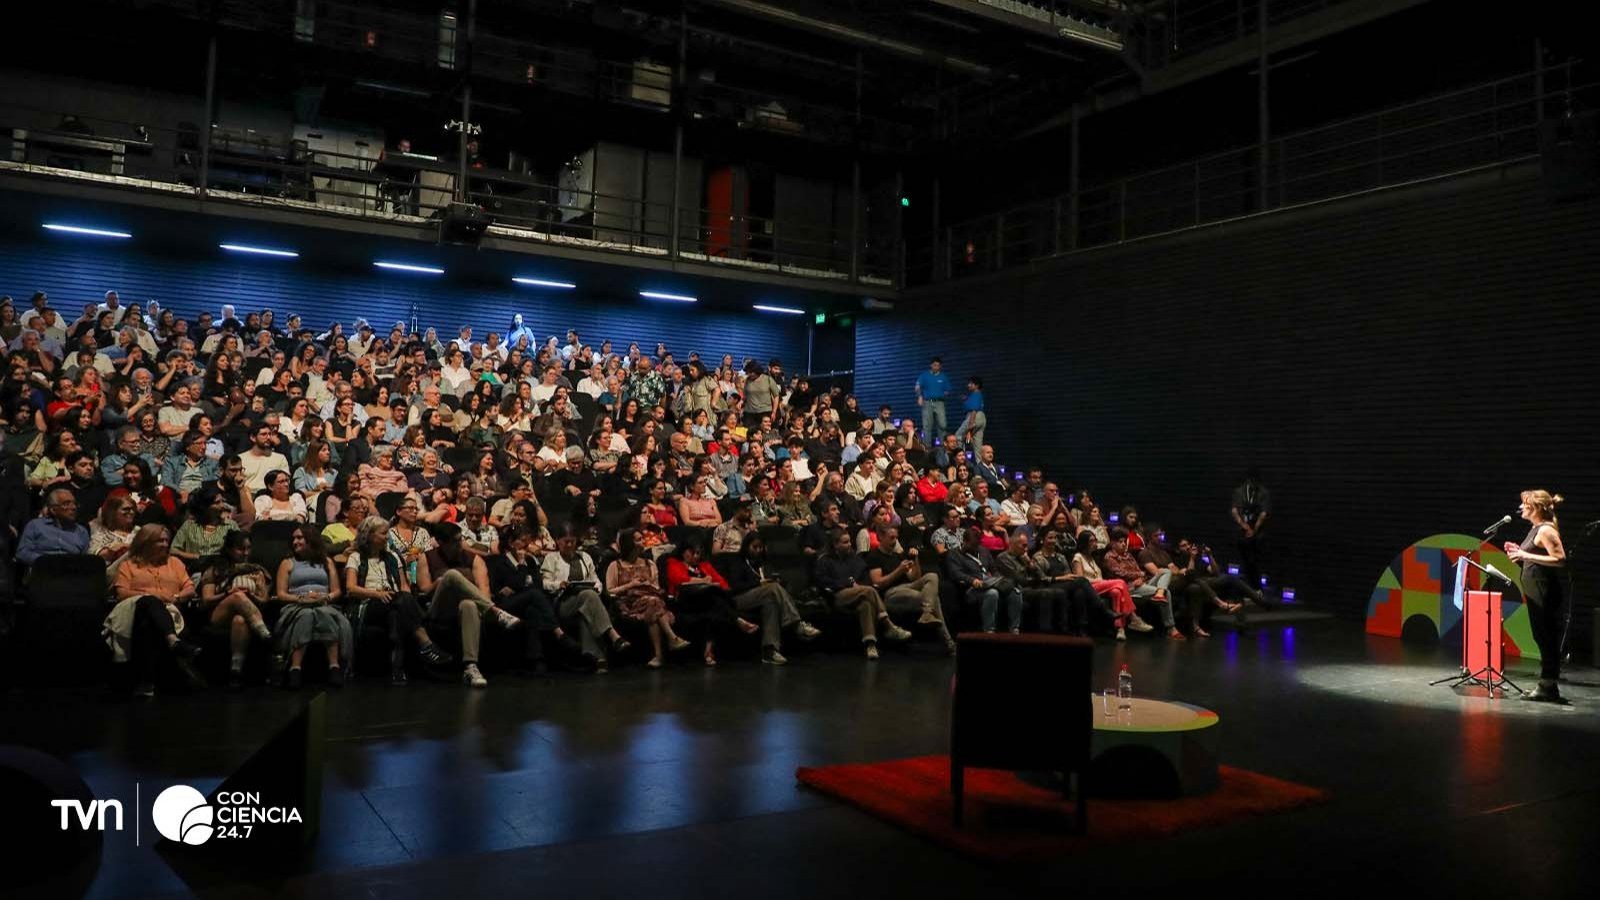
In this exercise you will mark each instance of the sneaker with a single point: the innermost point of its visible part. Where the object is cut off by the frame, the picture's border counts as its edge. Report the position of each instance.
(1122, 634)
(471, 677)
(144, 691)
(806, 631)
(506, 620)
(398, 676)
(293, 681)
(433, 656)
(1016, 631)
(894, 632)
(336, 676)
(1140, 625)
(620, 646)
(772, 657)
(872, 649)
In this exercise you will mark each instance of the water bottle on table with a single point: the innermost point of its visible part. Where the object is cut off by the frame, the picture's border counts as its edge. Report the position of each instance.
(1124, 689)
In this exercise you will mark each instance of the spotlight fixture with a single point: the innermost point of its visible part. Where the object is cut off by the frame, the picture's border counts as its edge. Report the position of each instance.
(679, 298)
(259, 251)
(540, 282)
(408, 267)
(786, 310)
(91, 232)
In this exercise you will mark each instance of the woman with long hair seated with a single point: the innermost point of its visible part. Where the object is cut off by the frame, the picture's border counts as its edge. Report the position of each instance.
(308, 587)
(633, 581)
(373, 572)
(232, 592)
(1115, 598)
(155, 504)
(157, 584)
(700, 598)
(207, 526)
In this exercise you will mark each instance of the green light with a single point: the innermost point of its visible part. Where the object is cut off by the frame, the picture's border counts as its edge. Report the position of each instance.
(822, 318)
(905, 201)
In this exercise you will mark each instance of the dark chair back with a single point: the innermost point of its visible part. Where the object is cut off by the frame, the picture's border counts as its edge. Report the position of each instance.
(269, 544)
(387, 502)
(994, 725)
(68, 581)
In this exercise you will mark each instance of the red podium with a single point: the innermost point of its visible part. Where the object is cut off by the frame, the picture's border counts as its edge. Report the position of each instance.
(1481, 648)
(1480, 632)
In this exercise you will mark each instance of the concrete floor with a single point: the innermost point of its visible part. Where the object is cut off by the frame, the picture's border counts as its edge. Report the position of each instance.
(681, 782)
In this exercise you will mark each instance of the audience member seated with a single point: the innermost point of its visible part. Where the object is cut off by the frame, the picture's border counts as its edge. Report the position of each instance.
(1115, 596)
(972, 568)
(232, 591)
(841, 574)
(896, 573)
(151, 587)
(755, 591)
(309, 587)
(700, 597)
(573, 583)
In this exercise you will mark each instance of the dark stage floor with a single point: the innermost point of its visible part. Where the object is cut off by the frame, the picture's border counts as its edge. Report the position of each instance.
(681, 783)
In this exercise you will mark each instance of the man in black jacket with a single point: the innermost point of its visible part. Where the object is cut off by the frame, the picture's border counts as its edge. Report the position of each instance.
(972, 568)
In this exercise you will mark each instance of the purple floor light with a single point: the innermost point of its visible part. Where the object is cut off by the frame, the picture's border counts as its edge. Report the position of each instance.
(1288, 595)
(1115, 518)
(1233, 570)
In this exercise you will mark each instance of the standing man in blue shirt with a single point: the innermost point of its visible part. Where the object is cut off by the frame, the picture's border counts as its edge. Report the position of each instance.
(932, 388)
(973, 425)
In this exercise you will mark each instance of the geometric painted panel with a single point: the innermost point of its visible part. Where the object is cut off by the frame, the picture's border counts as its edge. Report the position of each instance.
(1421, 582)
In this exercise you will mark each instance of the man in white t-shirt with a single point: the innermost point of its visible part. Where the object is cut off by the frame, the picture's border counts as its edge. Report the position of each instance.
(262, 457)
(593, 384)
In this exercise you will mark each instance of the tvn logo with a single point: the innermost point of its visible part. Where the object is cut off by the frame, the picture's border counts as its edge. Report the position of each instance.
(91, 815)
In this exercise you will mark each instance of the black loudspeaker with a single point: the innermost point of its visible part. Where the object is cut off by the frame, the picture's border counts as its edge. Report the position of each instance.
(1569, 154)
(463, 223)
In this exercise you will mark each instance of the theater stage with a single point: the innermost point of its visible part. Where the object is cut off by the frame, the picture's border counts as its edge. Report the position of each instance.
(681, 783)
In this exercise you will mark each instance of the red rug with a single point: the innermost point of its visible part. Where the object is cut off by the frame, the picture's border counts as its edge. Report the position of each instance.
(1010, 820)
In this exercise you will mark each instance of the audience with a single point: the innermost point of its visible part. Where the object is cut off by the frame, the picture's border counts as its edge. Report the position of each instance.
(199, 429)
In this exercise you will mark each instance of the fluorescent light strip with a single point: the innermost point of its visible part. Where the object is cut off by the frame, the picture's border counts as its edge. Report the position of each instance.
(786, 310)
(407, 267)
(540, 282)
(92, 232)
(681, 298)
(259, 251)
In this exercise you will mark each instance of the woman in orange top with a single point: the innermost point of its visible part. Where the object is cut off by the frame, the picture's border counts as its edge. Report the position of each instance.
(158, 583)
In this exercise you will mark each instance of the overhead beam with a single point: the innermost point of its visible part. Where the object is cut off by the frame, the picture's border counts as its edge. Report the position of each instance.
(852, 34)
(1284, 36)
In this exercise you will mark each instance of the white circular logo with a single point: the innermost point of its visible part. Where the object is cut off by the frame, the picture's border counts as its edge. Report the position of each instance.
(182, 814)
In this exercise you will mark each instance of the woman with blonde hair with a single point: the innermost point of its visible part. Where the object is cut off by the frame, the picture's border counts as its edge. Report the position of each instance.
(1546, 585)
(157, 584)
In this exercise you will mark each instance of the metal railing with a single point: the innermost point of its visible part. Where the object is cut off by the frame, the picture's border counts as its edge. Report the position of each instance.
(1488, 124)
(249, 166)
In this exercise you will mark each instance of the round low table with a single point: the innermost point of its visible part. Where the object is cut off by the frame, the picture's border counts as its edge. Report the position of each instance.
(1158, 748)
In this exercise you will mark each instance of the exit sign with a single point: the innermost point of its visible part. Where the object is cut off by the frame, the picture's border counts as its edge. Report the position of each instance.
(822, 318)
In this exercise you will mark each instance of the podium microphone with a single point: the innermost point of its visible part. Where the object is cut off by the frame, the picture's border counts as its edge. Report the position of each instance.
(1504, 521)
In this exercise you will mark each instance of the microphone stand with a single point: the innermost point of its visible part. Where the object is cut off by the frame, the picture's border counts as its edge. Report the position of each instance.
(1488, 676)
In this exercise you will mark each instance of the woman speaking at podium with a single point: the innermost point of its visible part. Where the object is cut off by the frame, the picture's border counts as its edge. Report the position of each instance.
(1545, 584)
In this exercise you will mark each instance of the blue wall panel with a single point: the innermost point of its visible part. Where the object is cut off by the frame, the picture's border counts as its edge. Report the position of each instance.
(76, 270)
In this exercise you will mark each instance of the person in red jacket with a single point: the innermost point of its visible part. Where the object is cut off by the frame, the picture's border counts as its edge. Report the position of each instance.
(700, 598)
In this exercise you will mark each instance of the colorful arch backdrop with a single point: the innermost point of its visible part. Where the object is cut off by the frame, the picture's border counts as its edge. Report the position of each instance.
(1421, 581)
